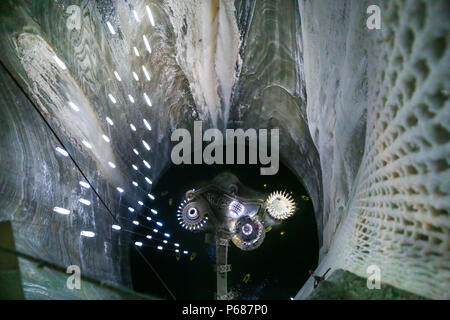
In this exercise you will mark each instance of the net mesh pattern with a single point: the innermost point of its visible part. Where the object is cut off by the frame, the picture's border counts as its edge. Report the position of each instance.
(398, 213)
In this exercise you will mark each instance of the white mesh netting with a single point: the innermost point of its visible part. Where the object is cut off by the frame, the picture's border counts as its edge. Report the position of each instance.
(398, 216)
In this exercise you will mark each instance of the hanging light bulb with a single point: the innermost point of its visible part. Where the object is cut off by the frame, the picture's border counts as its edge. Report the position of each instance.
(150, 15)
(62, 151)
(110, 27)
(147, 44)
(135, 14)
(85, 202)
(59, 62)
(88, 234)
(61, 210)
(85, 184)
(147, 125)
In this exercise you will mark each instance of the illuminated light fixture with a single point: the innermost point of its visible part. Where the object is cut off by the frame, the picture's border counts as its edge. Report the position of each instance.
(146, 145)
(111, 97)
(130, 209)
(112, 165)
(74, 106)
(135, 76)
(138, 243)
(147, 125)
(88, 234)
(135, 183)
(147, 99)
(176, 250)
(119, 189)
(236, 209)
(160, 247)
(61, 210)
(280, 205)
(134, 167)
(166, 235)
(132, 127)
(87, 144)
(135, 151)
(136, 222)
(165, 241)
(149, 219)
(147, 45)
(151, 196)
(62, 151)
(130, 97)
(159, 224)
(154, 211)
(136, 52)
(147, 164)
(110, 27)
(59, 62)
(140, 203)
(117, 76)
(116, 227)
(291, 298)
(84, 201)
(146, 73)
(185, 252)
(108, 119)
(177, 244)
(155, 230)
(148, 237)
(136, 16)
(85, 184)
(148, 180)
(150, 16)
(106, 138)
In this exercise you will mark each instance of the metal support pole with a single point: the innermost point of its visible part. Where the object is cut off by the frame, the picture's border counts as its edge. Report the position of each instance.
(222, 268)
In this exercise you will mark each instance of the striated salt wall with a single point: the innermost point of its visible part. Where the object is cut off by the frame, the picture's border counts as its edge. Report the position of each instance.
(208, 40)
(378, 112)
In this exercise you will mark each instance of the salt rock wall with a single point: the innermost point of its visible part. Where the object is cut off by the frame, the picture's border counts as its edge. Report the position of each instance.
(35, 178)
(270, 91)
(208, 42)
(378, 113)
(35, 181)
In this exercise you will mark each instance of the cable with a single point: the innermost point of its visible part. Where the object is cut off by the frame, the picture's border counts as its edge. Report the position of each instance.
(160, 279)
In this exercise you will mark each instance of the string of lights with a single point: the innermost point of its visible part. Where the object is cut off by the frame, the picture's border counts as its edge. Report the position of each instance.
(176, 245)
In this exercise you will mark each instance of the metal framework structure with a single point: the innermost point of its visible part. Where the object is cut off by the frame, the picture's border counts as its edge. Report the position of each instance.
(232, 218)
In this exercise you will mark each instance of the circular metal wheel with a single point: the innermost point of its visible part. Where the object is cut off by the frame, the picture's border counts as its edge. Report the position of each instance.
(192, 215)
(249, 233)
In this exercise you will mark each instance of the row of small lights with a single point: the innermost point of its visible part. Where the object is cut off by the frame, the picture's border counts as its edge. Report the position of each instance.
(147, 100)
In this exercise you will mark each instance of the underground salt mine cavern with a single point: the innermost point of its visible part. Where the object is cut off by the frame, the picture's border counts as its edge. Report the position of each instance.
(224, 149)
